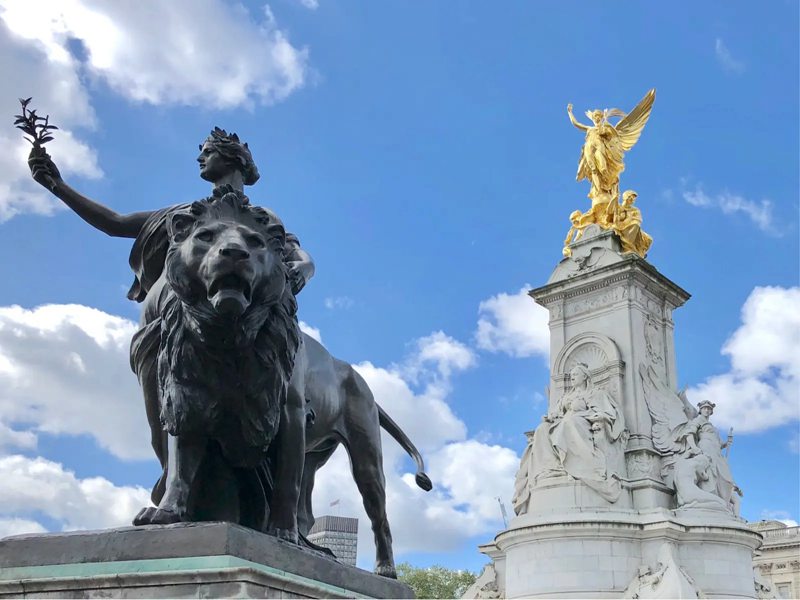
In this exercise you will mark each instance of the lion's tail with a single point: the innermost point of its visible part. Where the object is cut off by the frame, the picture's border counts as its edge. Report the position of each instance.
(398, 434)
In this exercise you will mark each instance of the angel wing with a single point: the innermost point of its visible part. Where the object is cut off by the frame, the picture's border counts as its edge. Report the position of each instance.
(666, 409)
(630, 127)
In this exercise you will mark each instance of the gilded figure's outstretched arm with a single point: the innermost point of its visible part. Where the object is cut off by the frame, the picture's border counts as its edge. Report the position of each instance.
(576, 123)
(45, 172)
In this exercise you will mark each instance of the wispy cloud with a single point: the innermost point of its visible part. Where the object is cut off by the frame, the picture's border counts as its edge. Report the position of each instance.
(760, 212)
(778, 515)
(794, 443)
(340, 302)
(310, 4)
(726, 59)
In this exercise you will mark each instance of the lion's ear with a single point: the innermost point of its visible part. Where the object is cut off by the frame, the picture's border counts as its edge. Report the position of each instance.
(179, 226)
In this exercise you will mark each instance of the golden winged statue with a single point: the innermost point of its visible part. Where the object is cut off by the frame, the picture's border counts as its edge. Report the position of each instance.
(601, 160)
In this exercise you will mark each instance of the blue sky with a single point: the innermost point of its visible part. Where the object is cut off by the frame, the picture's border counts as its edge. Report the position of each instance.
(422, 154)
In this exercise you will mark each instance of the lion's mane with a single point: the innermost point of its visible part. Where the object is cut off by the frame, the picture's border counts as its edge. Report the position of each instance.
(209, 375)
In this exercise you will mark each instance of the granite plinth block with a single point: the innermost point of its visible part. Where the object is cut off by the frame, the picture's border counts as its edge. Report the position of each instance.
(187, 560)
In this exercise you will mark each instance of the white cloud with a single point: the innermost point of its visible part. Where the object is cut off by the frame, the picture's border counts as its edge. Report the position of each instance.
(426, 413)
(311, 331)
(32, 485)
(310, 4)
(444, 353)
(341, 302)
(66, 371)
(762, 389)
(10, 438)
(214, 55)
(760, 213)
(726, 59)
(474, 474)
(55, 86)
(19, 526)
(513, 324)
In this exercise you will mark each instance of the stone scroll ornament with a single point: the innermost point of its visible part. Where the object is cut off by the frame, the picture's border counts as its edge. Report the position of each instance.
(243, 407)
(694, 463)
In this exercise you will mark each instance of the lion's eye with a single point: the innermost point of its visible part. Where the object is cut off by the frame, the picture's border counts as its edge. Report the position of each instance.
(204, 235)
(255, 241)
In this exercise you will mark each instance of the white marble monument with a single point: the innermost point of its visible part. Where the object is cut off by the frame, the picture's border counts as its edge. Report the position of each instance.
(624, 489)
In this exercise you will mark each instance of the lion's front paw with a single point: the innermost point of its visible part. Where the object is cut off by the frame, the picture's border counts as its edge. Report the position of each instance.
(288, 535)
(151, 515)
(386, 570)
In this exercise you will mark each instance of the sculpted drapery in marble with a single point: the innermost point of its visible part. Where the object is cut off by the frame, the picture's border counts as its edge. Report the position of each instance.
(691, 445)
(575, 438)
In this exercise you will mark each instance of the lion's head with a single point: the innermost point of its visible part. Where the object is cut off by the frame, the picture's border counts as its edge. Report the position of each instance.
(232, 313)
(225, 257)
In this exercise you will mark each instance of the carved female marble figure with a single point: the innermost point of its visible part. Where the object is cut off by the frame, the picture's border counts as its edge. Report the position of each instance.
(684, 432)
(709, 443)
(578, 436)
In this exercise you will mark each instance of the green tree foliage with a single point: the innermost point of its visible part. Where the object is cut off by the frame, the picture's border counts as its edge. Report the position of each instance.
(435, 581)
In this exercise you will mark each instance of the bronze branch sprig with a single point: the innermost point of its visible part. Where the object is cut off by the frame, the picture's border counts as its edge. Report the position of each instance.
(38, 128)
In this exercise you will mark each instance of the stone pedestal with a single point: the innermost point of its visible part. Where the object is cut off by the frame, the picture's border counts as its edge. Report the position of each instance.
(597, 510)
(599, 554)
(198, 560)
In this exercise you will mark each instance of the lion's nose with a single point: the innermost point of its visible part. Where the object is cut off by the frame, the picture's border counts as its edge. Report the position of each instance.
(234, 252)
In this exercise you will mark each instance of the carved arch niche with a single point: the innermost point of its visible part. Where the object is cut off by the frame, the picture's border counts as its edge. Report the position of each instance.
(600, 354)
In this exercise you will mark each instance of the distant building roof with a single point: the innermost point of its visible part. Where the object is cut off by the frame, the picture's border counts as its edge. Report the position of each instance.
(333, 523)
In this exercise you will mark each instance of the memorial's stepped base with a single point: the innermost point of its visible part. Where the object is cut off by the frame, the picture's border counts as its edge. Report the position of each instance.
(192, 560)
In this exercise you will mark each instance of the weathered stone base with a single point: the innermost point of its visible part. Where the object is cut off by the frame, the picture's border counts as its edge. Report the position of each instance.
(598, 554)
(198, 560)
(565, 494)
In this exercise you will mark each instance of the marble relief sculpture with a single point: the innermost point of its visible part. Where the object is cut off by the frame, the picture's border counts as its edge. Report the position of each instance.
(699, 471)
(485, 586)
(666, 579)
(576, 438)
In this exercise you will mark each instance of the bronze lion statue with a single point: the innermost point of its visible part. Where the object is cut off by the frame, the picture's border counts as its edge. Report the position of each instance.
(243, 408)
(220, 356)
